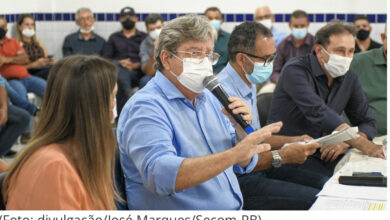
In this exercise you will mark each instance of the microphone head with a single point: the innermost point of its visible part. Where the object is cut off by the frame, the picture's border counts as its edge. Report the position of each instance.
(210, 82)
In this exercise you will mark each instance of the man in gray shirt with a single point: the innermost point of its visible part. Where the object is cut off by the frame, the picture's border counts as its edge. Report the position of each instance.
(154, 23)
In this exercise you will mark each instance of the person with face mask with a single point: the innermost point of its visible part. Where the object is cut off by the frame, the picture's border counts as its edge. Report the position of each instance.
(85, 40)
(363, 29)
(371, 67)
(40, 61)
(123, 49)
(298, 43)
(264, 15)
(174, 140)
(314, 90)
(154, 23)
(220, 46)
(252, 52)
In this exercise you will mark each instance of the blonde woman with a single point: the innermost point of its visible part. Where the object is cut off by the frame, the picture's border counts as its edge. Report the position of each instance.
(69, 160)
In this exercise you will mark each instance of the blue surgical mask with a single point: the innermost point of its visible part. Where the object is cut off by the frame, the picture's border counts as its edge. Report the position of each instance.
(216, 24)
(299, 33)
(260, 72)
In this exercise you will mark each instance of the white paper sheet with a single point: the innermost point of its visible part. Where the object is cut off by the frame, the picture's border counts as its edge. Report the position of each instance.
(354, 192)
(330, 203)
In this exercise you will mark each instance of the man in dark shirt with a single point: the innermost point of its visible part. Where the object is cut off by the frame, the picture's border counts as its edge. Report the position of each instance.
(221, 44)
(363, 29)
(315, 89)
(298, 43)
(84, 41)
(123, 49)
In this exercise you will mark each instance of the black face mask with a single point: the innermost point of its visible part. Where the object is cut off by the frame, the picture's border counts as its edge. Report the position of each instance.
(362, 34)
(2, 33)
(128, 24)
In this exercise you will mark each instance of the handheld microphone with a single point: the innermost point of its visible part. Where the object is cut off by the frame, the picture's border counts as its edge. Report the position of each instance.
(212, 84)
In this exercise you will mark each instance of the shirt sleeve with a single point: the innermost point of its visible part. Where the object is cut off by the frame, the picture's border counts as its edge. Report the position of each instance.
(146, 138)
(143, 53)
(108, 51)
(296, 84)
(358, 111)
(278, 64)
(67, 47)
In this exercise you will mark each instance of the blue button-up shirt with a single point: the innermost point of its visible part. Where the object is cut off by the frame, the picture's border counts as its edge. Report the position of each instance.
(234, 86)
(158, 129)
(305, 103)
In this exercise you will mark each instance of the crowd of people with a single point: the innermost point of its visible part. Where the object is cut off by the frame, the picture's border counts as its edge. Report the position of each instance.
(178, 147)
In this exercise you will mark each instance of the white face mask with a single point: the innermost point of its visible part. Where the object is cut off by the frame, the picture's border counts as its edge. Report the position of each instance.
(337, 65)
(267, 23)
(194, 72)
(154, 34)
(86, 31)
(28, 32)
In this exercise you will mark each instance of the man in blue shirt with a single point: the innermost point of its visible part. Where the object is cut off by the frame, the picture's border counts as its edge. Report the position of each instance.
(176, 146)
(314, 90)
(264, 16)
(252, 52)
(220, 45)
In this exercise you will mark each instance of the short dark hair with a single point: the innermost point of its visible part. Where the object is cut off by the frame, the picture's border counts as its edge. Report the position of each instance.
(153, 18)
(243, 38)
(333, 28)
(212, 9)
(361, 17)
(300, 14)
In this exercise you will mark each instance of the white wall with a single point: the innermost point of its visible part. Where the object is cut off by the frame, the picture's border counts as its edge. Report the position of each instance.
(52, 33)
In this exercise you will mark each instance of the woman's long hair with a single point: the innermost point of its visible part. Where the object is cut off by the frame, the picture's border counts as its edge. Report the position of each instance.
(76, 114)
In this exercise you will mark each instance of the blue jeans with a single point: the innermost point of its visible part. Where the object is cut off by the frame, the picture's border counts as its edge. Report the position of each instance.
(284, 188)
(126, 80)
(20, 100)
(18, 119)
(32, 84)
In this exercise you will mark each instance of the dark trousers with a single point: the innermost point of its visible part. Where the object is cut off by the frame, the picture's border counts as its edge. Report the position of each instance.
(17, 122)
(126, 81)
(284, 188)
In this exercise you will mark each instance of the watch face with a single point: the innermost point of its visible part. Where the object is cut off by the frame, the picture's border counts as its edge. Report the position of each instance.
(276, 159)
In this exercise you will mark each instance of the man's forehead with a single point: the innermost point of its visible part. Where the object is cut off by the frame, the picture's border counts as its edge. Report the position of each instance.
(342, 40)
(85, 14)
(197, 45)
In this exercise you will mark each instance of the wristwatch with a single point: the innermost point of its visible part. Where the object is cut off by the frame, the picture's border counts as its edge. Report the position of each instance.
(276, 159)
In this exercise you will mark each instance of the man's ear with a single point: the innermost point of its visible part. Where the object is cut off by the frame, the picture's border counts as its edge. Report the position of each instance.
(164, 57)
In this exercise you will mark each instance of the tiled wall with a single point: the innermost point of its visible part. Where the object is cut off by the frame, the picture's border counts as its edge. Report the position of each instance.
(374, 18)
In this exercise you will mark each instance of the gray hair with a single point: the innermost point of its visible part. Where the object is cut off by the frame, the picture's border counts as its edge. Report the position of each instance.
(81, 10)
(181, 30)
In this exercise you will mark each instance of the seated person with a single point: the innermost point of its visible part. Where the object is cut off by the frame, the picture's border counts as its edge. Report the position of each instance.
(314, 90)
(123, 48)
(187, 159)
(220, 46)
(363, 29)
(371, 67)
(154, 23)
(13, 121)
(264, 15)
(298, 43)
(39, 61)
(12, 65)
(69, 159)
(85, 40)
(252, 52)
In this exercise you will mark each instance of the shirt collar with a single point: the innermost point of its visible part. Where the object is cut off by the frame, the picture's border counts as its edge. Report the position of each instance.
(91, 38)
(239, 83)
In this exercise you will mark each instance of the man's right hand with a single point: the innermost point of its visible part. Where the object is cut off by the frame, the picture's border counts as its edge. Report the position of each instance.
(250, 145)
(126, 63)
(298, 153)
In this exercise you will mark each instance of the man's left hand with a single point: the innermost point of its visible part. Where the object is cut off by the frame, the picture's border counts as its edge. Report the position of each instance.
(331, 152)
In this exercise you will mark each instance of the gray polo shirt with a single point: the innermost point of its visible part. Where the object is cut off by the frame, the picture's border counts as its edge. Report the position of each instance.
(75, 44)
(146, 50)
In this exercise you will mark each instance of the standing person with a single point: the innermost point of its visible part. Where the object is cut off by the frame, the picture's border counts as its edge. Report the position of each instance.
(123, 49)
(85, 40)
(314, 90)
(264, 15)
(300, 42)
(69, 160)
(39, 60)
(154, 23)
(220, 45)
(363, 29)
